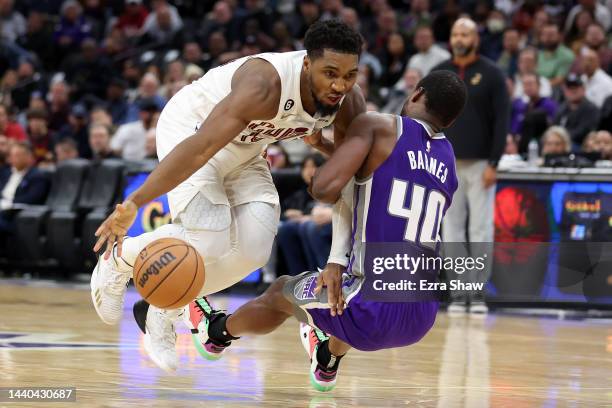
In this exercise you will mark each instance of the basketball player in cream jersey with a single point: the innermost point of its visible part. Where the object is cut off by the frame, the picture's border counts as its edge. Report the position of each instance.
(210, 139)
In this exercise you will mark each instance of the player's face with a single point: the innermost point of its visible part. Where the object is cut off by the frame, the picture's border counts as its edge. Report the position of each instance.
(332, 76)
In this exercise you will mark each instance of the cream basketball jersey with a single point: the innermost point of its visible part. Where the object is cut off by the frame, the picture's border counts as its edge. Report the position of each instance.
(291, 120)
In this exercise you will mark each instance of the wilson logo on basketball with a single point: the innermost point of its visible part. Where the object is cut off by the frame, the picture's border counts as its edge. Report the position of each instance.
(164, 260)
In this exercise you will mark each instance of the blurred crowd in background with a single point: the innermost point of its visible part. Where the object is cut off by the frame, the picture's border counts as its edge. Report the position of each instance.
(89, 78)
(66, 65)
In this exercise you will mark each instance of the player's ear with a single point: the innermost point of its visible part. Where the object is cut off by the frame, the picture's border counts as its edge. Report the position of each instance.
(306, 63)
(417, 94)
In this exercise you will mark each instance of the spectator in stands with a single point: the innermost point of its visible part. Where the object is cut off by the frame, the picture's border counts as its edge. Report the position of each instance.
(602, 143)
(277, 157)
(147, 90)
(331, 9)
(601, 13)
(418, 16)
(9, 128)
(150, 144)
(39, 135)
(221, 19)
(12, 23)
(554, 59)
(492, 41)
(88, 71)
(588, 144)
(163, 26)
(522, 108)
(386, 26)
(595, 39)
(217, 48)
(296, 211)
(527, 64)
(193, 73)
(174, 72)
(76, 129)
(394, 60)
(28, 81)
(307, 13)
(192, 54)
(576, 114)
(556, 140)
(5, 145)
(132, 20)
(508, 59)
(116, 101)
(316, 234)
(598, 84)
(370, 62)
(99, 142)
(65, 149)
(574, 38)
(129, 141)
(38, 39)
(59, 104)
(350, 17)
(401, 90)
(21, 183)
(72, 28)
(428, 54)
(99, 115)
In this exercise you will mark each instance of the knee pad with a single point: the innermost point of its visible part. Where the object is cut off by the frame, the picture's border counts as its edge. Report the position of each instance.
(266, 214)
(202, 214)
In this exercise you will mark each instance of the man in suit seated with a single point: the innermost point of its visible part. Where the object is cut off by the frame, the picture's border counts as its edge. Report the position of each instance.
(20, 183)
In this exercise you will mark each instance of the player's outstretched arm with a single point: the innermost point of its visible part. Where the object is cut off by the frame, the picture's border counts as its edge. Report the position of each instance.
(255, 95)
(330, 179)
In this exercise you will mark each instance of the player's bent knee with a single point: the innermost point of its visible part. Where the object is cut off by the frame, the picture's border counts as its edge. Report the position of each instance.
(274, 297)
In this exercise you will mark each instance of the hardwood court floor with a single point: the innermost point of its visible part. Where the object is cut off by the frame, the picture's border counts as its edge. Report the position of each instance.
(51, 336)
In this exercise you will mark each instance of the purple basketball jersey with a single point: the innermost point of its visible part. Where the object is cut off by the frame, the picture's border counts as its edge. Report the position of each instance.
(404, 200)
(407, 196)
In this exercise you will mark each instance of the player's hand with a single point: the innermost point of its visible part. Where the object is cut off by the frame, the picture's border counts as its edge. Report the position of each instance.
(293, 214)
(114, 228)
(331, 277)
(314, 139)
(489, 177)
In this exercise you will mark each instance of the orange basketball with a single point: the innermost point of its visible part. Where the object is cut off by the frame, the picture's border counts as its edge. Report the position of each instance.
(169, 273)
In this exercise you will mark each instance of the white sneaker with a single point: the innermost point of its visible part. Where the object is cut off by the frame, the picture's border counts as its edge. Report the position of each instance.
(478, 308)
(456, 309)
(160, 337)
(108, 286)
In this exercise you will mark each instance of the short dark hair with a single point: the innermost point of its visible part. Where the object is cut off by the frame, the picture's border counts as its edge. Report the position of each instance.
(333, 35)
(445, 94)
(67, 142)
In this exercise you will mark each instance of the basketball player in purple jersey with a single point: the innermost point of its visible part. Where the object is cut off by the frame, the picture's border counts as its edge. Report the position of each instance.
(404, 171)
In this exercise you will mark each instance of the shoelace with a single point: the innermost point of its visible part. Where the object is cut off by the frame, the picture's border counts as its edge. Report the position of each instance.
(212, 311)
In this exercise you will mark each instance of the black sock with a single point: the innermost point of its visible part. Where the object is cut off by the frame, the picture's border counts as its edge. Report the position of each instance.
(217, 330)
(325, 358)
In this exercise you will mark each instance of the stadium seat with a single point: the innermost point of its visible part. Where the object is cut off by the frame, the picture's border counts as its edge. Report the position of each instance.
(31, 222)
(70, 230)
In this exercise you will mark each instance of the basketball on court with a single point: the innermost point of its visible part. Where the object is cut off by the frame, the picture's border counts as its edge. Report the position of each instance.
(169, 273)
